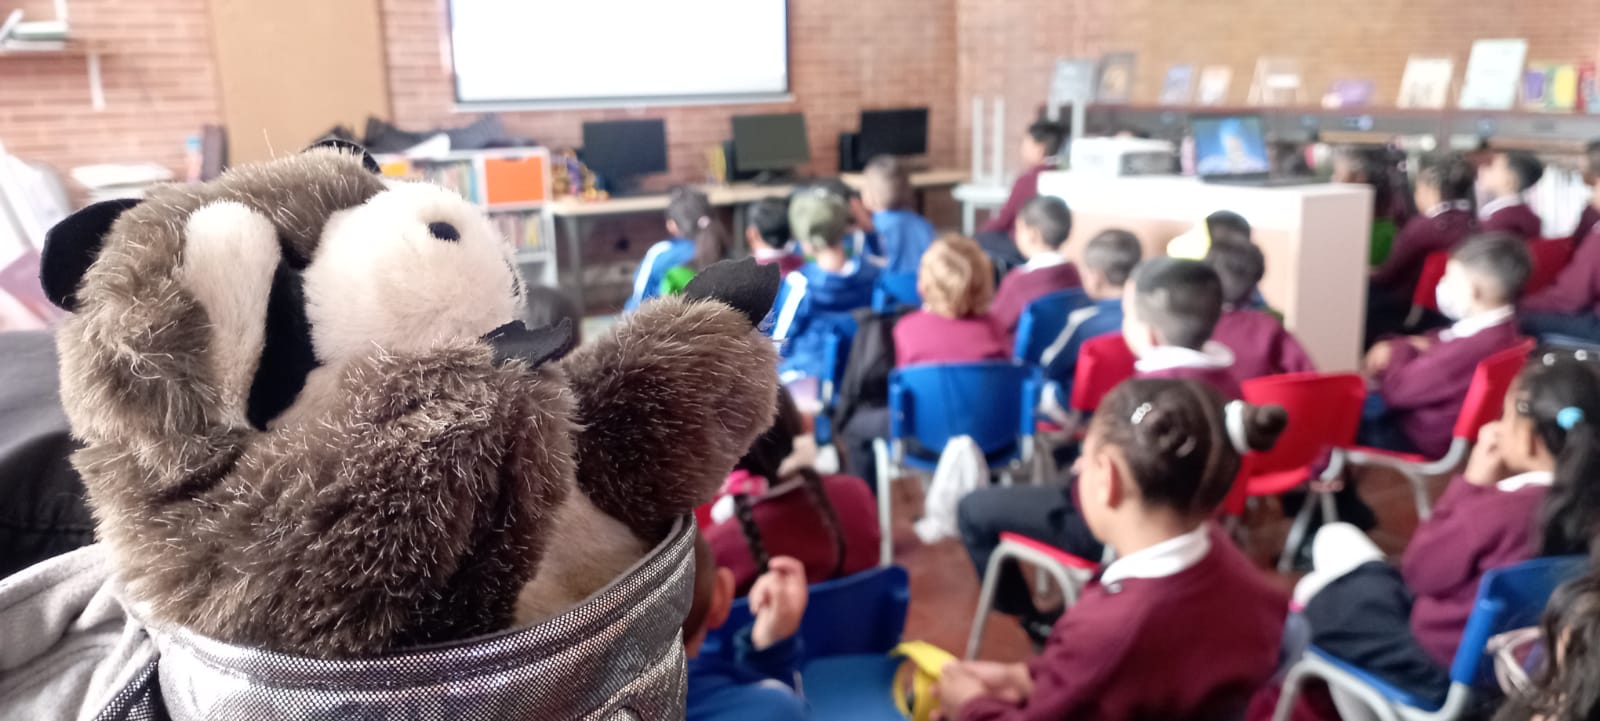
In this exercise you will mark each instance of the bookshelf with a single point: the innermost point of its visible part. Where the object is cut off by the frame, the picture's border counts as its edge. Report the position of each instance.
(512, 185)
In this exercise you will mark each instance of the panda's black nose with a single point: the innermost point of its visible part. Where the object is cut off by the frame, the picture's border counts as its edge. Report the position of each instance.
(444, 231)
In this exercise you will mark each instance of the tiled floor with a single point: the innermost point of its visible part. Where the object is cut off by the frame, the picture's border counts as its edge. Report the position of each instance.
(944, 586)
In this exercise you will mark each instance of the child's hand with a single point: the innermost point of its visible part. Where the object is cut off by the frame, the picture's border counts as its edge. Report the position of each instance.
(778, 600)
(1378, 357)
(958, 685)
(1421, 342)
(1009, 682)
(1486, 467)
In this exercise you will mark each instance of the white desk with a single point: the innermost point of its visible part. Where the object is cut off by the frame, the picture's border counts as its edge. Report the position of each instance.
(1315, 239)
(973, 196)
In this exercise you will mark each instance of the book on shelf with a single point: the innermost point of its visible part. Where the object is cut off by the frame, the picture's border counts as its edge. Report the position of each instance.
(1178, 87)
(1493, 71)
(1214, 81)
(1073, 81)
(1536, 86)
(1426, 82)
(1563, 95)
(1588, 88)
(523, 229)
(1115, 82)
(1348, 93)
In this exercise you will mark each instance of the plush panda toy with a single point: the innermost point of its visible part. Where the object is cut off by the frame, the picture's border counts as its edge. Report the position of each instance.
(311, 424)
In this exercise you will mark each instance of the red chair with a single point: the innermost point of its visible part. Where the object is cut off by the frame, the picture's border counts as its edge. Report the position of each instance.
(1550, 256)
(1069, 571)
(1324, 414)
(1425, 296)
(1490, 382)
(1103, 363)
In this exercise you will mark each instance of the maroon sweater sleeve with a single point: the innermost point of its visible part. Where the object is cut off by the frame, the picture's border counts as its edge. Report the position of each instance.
(1084, 657)
(1574, 289)
(1410, 379)
(1404, 263)
(1292, 357)
(1586, 223)
(1022, 191)
(1446, 549)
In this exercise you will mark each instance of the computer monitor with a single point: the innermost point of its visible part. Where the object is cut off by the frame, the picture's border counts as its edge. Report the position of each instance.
(1229, 146)
(773, 143)
(893, 132)
(622, 150)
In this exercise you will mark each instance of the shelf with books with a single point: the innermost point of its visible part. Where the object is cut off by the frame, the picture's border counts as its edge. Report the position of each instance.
(1299, 122)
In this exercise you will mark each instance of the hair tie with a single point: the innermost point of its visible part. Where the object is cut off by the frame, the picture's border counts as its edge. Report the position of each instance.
(1233, 420)
(705, 221)
(1139, 413)
(1569, 417)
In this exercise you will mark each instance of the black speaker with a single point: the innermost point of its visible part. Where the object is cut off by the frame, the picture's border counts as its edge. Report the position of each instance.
(849, 153)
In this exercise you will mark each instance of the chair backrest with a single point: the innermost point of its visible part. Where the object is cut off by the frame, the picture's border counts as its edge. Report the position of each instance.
(1490, 382)
(1508, 598)
(1103, 363)
(1550, 256)
(993, 402)
(1428, 282)
(1043, 320)
(863, 613)
(1324, 411)
(894, 290)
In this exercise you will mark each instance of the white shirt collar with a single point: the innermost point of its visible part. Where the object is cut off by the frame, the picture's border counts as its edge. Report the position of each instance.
(1499, 204)
(770, 253)
(1468, 327)
(1167, 558)
(1167, 357)
(1523, 480)
(1452, 205)
(1045, 260)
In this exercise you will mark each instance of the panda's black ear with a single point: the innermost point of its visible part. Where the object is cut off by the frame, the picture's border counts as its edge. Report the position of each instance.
(513, 341)
(352, 148)
(73, 245)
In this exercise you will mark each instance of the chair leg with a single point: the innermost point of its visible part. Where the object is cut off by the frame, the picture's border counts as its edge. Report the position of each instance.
(1297, 531)
(991, 579)
(880, 452)
(1419, 486)
(1290, 692)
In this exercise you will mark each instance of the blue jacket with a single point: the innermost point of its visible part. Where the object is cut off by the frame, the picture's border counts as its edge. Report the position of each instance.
(900, 237)
(813, 304)
(755, 685)
(1061, 358)
(661, 257)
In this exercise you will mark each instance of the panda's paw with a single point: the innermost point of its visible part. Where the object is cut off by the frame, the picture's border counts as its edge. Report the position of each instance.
(749, 287)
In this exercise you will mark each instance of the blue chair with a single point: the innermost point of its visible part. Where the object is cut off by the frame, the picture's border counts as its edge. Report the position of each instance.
(835, 351)
(894, 290)
(993, 402)
(1508, 598)
(1043, 320)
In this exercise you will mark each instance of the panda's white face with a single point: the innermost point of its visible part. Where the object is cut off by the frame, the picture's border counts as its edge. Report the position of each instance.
(413, 267)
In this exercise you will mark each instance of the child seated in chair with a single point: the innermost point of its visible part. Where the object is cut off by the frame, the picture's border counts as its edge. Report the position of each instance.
(1527, 491)
(1108, 260)
(815, 301)
(1505, 182)
(761, 680)
(768, 236)
(698, 240)
(1042, 230)
(1569, 653)
(956, 284)
(1446, 187)
(778, 505)
(1420, 382)
(899, 235)
(1169, 312)
(1261, 345)
(1571, 306)
(1182, 625)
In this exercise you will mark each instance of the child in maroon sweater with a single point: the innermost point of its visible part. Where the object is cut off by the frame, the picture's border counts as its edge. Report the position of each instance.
(1261, 345)
(1181, 626)
(1169, 310)
(956, 283)
(1446, 187)
(1527, 491)
(1570, 307)
(1042, 228)
(1505, 182)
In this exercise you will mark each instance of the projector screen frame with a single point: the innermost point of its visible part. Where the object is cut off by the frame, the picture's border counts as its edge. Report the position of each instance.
(613, 102)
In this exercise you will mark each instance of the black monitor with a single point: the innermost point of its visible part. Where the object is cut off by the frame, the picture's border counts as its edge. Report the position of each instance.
(773, 143)
(622, 150)
(893, 132)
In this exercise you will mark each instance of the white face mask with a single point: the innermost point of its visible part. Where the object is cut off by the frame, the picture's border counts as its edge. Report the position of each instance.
(1452, 298)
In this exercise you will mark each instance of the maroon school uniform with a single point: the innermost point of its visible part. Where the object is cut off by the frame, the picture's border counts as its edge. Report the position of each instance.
(792, 526)
(1577, 288)
(1421, 237)
(1023, 286)
(1261, 345)
(1514, 217)
(923, 337)
(1424, 390)
(1194, 644)
(1586, 223)
(1025, 189)
(1212, 366)
(786, 261)
(1473, 529)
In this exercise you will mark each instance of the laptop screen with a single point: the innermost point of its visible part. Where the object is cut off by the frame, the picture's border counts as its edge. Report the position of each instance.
(1229, 145)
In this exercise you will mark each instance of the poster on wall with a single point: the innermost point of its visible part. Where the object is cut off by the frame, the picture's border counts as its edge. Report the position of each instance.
(1073, 81)
(1115, 84)
(1348, 93)
(1493, 71)
(1178, 87)
(1426, 82)
(1214, 81)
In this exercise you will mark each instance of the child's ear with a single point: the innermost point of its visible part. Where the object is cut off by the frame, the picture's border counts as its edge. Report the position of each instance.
(721, 599)
(72, 246)
(751, 234)
(672, 228)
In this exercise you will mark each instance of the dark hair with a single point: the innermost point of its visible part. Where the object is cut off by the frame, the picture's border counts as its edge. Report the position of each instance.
(1454, 176)
(690, 210)
(770, 218)
(1384, 168)
(764, 459)
(1048, 215)
(1180, 299)
(1567, 687)
(1526, 166)
(1227, 225)
(1239, 266)
(705, 586)
(1173, 434)
(1549, 385)
(1289, 158)
(1498, 257)
(1115, 253)
(887, 177)
(834, 186)
(548, 307)
(1049, 134)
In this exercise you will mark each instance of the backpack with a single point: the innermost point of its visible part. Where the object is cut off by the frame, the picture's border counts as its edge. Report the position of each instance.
(865, 380)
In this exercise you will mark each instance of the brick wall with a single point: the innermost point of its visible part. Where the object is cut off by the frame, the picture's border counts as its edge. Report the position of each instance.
(159, 78)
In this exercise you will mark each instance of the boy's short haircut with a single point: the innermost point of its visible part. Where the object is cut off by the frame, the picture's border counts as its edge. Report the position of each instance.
(1114, 254)
(1049, 134)
(770, 218)
(1239, 265)
(548, 306)
(1227, 225)
(1499, 260)
(818, 219)
(955, 278)
(887, 178)
(1180, 299)
(1525, 167)
(1454, 176)
(1592, 149)
(1048, 215)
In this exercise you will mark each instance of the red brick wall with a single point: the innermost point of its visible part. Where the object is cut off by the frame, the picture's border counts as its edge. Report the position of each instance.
(160, 85)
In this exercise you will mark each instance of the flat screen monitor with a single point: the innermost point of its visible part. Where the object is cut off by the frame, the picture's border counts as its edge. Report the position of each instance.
(622, 150)
(770, 142)
(1229, 145)
(899, 132)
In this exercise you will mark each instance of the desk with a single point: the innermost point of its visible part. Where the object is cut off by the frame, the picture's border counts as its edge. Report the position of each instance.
(973, 196)
(1314, 238)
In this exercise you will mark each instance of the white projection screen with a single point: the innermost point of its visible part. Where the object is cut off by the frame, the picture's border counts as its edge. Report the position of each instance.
(618, 52)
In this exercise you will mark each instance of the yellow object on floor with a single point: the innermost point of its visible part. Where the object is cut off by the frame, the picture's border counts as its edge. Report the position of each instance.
(920, 672)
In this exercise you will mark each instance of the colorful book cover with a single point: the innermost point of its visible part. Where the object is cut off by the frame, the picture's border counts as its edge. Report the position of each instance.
(1588, 88)
(1178, 87)
(1277, 82)
(1493, 72)
(1214, 81)
(1348, 93)
(1072, 81)
(1563, 95)
(1115, 84)
(1426, 82)
(1536, 86)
